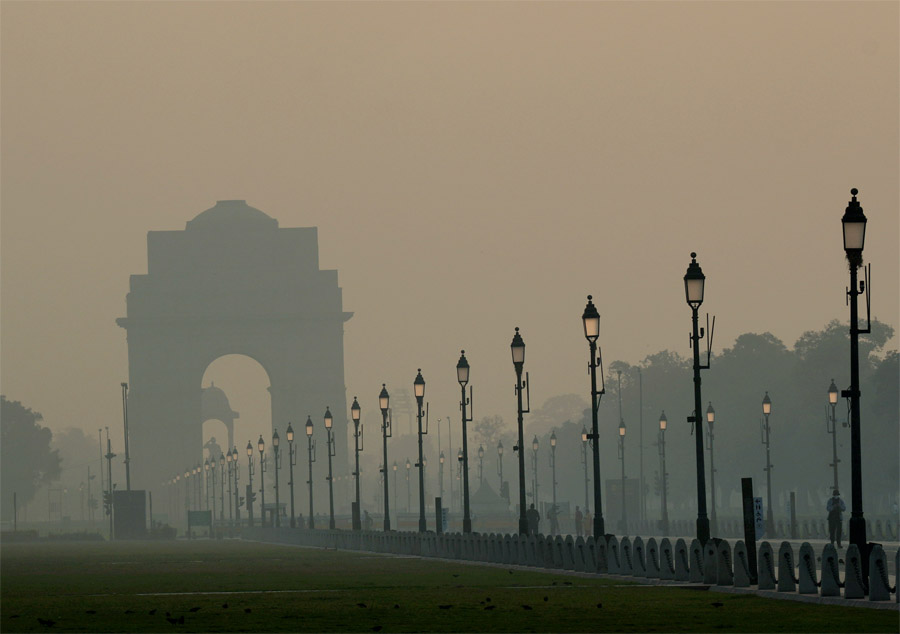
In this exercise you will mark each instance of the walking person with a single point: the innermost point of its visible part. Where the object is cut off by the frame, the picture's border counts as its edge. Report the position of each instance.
(579, 522)
(553, 516)
(835, 508)
(534, 520)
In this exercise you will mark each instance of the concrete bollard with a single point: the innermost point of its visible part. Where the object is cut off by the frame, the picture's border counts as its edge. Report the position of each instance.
(652, 558)
(879, 584)
(854, 588)
(555, 546)
(724, 574)
(666, 559)
(626, 563)
(638, 558)
(831, 576)
(710, 562)
(742, 574)
(786, 580)
(695, 568)
(682, 561)
(807, 579)
(613, 561)
(569, 554)
(601, 552)
(766, 562)
(579, 553)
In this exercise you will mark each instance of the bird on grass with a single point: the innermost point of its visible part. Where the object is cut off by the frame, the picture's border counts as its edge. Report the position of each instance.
(396, 606)
(361, 605)
(152, 612)
(546, 598)
(489, 607)
(376, 628)
(46, 622)
(717, 604)
(599, 605)
(527, 607)
(225, 606)
(194, 609)
(90, 611)
(247, 610)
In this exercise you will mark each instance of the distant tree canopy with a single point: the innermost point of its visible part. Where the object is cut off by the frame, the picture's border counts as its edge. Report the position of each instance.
(797, 380)
(26, 460)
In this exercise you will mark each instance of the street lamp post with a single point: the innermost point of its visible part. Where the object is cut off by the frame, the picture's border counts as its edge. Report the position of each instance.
(292, 460)
(584, 461)
(440, 478)
(384, 401)
(710, 434)
(237, 506)
(500, 464)
(534, 470)
(553, 464)
(329, 421)
(263, 467)
(408, 467)
(462, 377)
(394, 469)
(591, 320)
(518, 357)
(357, 440)
(230, 499)
(222, 486)
(206, 475)
(832, 400)
(854, 230)
(276, 454)
(480, 465)
(663, 478)
(694, 283)
(623, 526)
(419, 389)
(311, 453)
(770, 521)
(250, 495)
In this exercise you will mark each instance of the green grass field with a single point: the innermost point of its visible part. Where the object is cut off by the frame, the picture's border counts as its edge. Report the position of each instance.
(235, 586)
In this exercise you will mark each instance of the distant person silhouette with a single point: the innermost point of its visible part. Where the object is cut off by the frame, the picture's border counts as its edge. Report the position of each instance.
(534, 520)
(579, 522)
(553, 516)
(835, 508)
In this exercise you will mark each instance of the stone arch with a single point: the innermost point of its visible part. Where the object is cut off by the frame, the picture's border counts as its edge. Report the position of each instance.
(232, 282)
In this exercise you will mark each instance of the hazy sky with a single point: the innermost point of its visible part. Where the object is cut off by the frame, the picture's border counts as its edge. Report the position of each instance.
(471, 167)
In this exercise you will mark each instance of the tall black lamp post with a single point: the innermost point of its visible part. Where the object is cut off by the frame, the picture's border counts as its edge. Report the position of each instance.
(263, 467)
(854, 229)
(694, 283)
(623, 523)
(518, 357)
(584, 462)
(711, 437)
(276, 455)
(384, 401)
(462, 377)
(553, 464)
(250, 495)
(329, 421)
(292, 460)
(311, 449)
(237, 472)
(832, 429)
(663, 477)
(357, 441)
(419, 390)
(222, 486)
(480, 465)
(440, 479)
(408, 467)
(770, 521)
(500, 464)
(591, 320)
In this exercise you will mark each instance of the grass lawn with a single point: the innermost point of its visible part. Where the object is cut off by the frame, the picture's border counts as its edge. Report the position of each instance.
(235, 586)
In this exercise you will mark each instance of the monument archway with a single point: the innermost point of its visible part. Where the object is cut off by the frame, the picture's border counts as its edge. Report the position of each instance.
(232, 282)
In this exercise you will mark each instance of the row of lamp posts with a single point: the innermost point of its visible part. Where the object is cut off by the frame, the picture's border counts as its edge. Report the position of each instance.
(854, 225)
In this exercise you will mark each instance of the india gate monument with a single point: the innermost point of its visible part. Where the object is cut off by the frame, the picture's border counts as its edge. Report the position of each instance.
(232, 282)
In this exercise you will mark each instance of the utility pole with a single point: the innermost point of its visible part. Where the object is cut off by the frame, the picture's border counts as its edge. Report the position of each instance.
(125, 419)
(109, 456)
